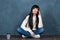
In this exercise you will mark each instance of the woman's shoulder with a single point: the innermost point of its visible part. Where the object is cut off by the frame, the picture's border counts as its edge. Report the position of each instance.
(27, 16)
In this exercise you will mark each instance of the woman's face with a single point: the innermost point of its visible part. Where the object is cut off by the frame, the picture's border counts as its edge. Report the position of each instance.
(34, 11)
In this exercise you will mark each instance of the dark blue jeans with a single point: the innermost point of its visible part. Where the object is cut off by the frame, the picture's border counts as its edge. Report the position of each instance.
(26, 33)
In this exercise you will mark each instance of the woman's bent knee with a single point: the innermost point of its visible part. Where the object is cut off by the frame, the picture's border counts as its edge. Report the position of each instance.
(41, 30)
(19, 29)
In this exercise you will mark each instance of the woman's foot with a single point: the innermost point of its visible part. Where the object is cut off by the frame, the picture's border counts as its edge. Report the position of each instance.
(23, 36)
(37, 36)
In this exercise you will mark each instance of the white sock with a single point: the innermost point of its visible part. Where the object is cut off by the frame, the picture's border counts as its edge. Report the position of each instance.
(37, 36)
(23, 36)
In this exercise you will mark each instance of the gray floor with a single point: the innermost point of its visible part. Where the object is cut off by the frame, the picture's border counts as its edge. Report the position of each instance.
(42, 38)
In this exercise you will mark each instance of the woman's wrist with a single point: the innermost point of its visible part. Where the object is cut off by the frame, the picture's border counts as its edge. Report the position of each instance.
(31, 32)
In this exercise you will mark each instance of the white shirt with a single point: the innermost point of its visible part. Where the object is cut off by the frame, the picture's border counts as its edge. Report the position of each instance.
(34, 22)
(25, 21)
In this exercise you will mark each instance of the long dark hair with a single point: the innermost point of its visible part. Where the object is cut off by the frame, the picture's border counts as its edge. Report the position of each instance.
(30, 20)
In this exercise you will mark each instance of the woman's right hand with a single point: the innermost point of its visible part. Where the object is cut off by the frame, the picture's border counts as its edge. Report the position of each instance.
(32, 34)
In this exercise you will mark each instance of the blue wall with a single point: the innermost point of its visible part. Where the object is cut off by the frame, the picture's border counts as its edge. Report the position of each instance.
(12, 12)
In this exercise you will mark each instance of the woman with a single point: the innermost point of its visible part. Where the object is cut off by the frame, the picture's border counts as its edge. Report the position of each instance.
(32, 25)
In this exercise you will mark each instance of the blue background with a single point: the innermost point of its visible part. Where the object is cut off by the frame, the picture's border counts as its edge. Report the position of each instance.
(12, 12)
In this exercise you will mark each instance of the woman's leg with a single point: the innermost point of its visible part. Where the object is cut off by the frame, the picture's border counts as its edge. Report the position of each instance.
(23, 32)
(38, 31)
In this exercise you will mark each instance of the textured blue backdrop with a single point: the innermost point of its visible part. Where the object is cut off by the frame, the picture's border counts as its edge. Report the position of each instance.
(12, 12)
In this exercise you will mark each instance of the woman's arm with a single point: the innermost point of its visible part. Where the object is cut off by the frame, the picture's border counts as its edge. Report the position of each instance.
(27, 28)
(40, 21)
(24, 23)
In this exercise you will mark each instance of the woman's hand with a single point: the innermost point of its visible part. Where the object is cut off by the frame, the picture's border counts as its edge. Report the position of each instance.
(32, 34)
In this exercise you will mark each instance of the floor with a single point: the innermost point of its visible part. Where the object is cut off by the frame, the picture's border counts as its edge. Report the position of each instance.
(44, 37)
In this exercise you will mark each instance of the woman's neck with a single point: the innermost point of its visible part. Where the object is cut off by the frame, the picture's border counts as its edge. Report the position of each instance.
(34, 14)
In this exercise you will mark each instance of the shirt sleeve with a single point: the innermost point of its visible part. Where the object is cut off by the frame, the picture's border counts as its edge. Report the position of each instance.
(24, 23)
(40, 22)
